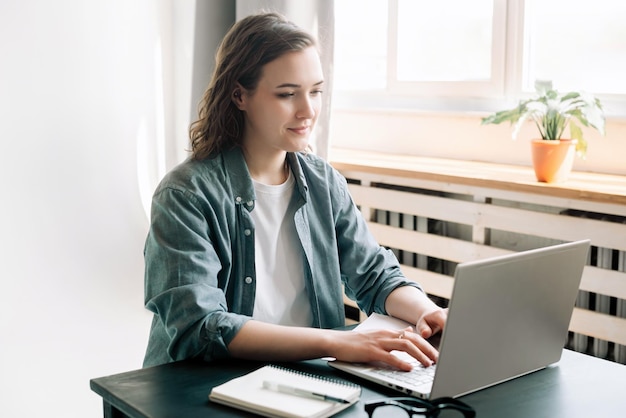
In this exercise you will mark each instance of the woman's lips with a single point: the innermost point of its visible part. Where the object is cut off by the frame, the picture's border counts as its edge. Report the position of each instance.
(302, 130)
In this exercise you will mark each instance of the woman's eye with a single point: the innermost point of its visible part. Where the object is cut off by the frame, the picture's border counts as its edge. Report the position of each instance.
(286, 95)
(316, 92)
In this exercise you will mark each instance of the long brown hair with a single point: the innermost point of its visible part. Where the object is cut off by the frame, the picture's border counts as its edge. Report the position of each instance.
(250, 44)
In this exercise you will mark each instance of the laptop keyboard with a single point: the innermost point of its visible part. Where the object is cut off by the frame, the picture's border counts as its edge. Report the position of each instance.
(418, 376)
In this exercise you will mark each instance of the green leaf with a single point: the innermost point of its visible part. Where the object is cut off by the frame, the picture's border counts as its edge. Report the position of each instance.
(543, 86)
(577, 134)
(552, 112)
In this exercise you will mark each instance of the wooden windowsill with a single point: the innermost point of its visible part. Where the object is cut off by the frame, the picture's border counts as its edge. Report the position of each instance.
(594, 187)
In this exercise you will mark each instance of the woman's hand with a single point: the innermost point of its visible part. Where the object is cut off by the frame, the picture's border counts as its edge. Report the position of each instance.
(376, 346)
(432, 322)
(409, 303)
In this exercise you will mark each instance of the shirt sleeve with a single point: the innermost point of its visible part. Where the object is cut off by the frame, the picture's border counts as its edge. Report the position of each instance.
(182, 281)
(369, 271)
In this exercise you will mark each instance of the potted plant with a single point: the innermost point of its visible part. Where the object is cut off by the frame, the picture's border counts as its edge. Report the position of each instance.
(552, 112)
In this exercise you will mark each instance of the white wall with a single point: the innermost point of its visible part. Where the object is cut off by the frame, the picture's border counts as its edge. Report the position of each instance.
(461, 136)
(80, 108)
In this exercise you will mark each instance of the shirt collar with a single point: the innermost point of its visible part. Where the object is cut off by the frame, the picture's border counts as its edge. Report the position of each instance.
(294, 163)
(241, 181)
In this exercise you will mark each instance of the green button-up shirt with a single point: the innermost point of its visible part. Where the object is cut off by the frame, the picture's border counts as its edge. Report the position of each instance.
(199, 254)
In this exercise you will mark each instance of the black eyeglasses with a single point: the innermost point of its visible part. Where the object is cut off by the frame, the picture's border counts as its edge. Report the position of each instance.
(447, 406)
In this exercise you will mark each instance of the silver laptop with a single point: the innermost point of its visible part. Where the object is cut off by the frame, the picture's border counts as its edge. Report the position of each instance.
(508, 316)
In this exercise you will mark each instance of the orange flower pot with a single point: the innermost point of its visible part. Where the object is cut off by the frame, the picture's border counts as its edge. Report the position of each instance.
(553, 160)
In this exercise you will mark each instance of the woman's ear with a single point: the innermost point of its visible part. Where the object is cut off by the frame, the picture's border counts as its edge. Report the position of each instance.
(237, 96)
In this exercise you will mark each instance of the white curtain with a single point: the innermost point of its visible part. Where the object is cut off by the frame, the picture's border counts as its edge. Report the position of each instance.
(213, 18)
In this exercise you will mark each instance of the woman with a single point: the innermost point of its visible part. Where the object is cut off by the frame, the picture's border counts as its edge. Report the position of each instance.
(253, 239)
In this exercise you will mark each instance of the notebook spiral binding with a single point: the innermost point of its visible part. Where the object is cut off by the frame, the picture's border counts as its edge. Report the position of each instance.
(312, 376)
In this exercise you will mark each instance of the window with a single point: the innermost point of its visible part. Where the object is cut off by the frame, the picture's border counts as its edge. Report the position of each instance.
(459, 54)
(577, 43)
(445, 47)
(360, 59)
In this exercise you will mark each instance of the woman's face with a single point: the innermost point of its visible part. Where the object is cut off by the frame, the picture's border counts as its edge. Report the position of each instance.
(281, 113)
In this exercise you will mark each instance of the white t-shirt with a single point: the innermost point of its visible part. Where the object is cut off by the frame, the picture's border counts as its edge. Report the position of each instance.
(281, 297)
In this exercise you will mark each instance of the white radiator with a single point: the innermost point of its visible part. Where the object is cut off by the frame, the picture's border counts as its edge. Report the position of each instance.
(609, 259)
(605, 258)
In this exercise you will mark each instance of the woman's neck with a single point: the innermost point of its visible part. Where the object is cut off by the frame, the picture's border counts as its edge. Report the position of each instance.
(267, 169)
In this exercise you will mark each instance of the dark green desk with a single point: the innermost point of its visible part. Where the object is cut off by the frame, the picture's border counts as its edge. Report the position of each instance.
(577, 386)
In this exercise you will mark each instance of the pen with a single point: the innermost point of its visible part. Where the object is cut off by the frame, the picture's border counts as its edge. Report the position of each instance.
(279, 387)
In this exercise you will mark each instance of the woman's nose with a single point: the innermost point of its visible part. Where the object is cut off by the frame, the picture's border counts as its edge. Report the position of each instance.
(307, 108)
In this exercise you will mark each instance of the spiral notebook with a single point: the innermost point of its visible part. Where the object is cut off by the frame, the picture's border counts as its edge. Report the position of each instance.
(275, 391)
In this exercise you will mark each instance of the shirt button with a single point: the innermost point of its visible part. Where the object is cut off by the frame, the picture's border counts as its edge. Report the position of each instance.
(248, 280)
(247, 232)
(250, 203)
(238, 199)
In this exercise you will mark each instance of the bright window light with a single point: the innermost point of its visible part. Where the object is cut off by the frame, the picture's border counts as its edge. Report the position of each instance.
(580, 44)
(360, 59)
(473, 55)
(445, 40)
